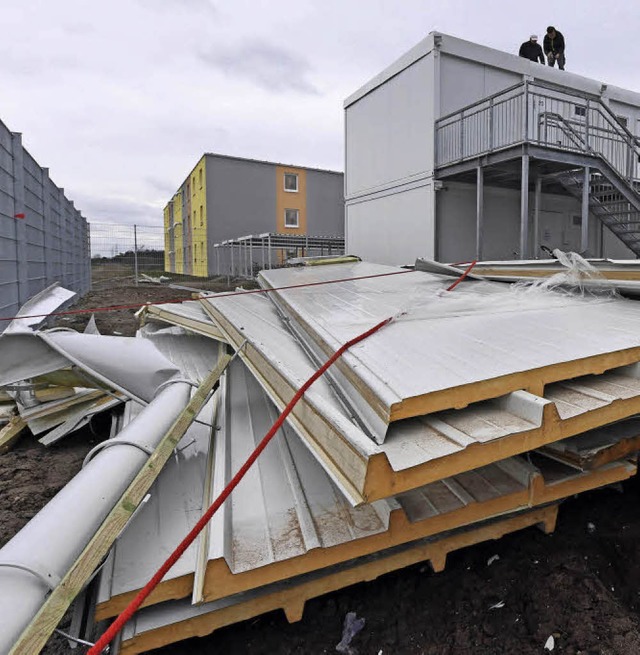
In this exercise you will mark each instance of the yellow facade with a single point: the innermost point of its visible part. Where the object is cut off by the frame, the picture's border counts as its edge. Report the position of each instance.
(177, 233)
(167, 238)
(198, 176)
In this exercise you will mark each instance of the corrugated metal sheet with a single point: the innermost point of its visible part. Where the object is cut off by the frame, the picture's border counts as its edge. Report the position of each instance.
(286, 505)
(193, 354)
(174, 506)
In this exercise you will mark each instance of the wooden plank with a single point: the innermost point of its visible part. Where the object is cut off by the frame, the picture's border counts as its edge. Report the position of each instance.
(35, 636)
(405, 525)
(292, 597)
(11, 432)
(49, 394)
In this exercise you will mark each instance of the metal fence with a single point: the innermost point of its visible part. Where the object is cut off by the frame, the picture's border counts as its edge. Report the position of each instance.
(43, 237)
(542, 115)
(121, 251)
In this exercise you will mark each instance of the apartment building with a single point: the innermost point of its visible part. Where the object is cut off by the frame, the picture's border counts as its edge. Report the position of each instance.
(224, 198)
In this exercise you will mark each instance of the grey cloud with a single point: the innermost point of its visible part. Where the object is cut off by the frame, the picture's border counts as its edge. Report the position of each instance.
(33, 64)
(118, 210)
(172, 5)
(164, 187)
(266, 65)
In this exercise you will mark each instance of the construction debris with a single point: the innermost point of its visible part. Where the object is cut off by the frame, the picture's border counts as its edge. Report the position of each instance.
(473, 414)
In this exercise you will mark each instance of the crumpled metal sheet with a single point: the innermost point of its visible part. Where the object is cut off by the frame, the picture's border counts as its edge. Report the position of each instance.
(133, 366)
(46, 302)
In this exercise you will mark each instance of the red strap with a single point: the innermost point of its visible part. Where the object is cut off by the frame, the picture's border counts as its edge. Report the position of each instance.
(130, 610)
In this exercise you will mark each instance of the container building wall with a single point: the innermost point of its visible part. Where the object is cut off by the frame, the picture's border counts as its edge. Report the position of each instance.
(393, 210)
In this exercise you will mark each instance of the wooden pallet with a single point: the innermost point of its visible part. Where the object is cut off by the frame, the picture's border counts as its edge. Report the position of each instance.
(437, 508)
(178, 620)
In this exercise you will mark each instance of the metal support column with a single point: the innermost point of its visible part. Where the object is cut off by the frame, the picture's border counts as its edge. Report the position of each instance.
(524, 209)
(479, 212)
(584, 229)
(269, 240)
(536, 217)
(135, 254)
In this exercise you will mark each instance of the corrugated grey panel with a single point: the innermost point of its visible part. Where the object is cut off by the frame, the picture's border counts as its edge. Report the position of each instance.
(51, 248)
(286, 505)
(177, 496)
(172, 510)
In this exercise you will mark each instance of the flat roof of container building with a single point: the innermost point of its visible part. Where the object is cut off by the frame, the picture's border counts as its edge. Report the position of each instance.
(499, 59)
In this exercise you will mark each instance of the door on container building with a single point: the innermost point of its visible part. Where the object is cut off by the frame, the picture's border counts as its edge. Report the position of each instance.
(559, 230)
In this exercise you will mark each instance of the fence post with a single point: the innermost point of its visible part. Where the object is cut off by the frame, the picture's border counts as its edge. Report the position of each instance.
(525, 111)
(19, 218)
(491, 125)
(586, 127)
(135, 254)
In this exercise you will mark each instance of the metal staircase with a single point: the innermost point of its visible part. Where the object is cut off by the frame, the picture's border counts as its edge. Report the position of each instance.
(561, 125)
(608, 204)
(613, 190)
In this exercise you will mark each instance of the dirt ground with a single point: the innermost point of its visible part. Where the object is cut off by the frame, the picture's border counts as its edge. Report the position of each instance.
(580, 584)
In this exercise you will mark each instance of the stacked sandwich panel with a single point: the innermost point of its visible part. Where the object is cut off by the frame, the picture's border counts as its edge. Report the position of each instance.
(418, 442)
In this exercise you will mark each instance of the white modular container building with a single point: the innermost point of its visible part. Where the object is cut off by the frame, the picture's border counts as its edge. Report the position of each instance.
(458, 151)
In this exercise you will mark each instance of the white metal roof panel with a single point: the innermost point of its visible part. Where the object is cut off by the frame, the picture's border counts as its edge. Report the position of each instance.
(440, 341)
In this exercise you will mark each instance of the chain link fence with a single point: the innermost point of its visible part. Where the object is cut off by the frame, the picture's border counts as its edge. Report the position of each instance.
(120, 251)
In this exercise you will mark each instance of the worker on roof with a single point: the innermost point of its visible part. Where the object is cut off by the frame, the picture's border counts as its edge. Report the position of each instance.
(554, 47)
(531, 49)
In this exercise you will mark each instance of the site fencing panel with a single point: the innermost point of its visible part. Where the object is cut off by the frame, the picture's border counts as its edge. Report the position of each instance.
(121, 251)
(43, 237)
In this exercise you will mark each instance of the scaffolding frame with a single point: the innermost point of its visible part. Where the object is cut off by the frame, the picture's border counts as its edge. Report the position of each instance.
(243, 256)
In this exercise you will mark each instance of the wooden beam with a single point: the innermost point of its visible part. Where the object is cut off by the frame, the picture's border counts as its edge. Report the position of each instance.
(10, 433)
(36, 634)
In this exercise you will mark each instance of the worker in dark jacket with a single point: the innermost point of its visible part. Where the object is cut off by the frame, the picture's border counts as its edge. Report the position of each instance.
(531, 50)
(554, 47)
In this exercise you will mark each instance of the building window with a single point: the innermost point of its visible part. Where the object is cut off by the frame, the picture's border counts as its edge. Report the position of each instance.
(578, 110)
(291, 182)
(623, 120)
(200, 177)
(291, 217)
(577, 221)
(201, 217)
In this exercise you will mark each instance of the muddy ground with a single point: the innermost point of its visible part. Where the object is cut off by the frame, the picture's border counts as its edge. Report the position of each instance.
(580, 584)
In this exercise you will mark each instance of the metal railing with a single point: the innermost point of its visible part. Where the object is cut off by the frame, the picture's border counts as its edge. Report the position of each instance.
(539, 114)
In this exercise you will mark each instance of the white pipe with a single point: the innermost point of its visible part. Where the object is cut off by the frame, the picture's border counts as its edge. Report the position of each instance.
(54, 538)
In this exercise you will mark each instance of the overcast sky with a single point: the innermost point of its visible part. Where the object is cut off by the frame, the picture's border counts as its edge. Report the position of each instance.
(120, 98)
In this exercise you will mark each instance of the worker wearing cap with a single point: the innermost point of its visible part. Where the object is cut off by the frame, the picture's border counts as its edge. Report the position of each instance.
(531, 49)
(554, 47)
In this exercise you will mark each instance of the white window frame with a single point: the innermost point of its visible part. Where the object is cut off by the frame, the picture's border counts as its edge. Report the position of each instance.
(297, 211)
(284, 183)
